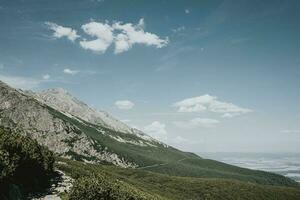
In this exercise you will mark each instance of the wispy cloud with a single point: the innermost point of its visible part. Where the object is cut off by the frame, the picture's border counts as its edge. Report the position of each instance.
(122, 35)
(124, 104)
(70, 71)
(210, 103)
(178, 29)
(61, 31)
(156, 130)
(187, 11)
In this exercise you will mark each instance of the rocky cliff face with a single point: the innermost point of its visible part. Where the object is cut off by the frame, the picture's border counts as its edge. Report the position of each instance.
(51, 128)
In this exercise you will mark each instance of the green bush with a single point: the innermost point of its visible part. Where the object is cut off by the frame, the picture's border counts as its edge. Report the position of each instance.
(98, 187)
(23, 162)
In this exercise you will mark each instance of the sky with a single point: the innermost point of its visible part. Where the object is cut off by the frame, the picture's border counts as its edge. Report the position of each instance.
(203, 76)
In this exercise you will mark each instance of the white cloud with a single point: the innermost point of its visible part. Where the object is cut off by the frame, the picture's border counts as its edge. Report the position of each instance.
(196, 123)
(46, 77)
(290, 131)
(122, 35)
(71, 72)
(103, 33)
(95, 45)
(60, 31)
(20, 82)
(135, 34)
(187, 11)
(122, 43)
(210, 103)
(156, 130)
(124, 104)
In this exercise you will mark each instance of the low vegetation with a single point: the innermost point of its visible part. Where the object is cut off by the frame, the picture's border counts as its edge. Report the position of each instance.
(25, 166)
(170, 161)
(98, 187)
(206, 168)
(97, 181)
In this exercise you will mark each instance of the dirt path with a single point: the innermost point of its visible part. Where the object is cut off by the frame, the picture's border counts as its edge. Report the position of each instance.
(62, 183)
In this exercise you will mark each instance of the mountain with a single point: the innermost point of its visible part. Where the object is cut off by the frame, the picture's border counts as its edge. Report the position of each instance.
(23, 113)
(72, 129)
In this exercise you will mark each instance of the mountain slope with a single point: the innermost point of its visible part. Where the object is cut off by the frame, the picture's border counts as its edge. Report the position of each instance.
(162, 187)
(71, 136)
(61, 100)
(50, 128)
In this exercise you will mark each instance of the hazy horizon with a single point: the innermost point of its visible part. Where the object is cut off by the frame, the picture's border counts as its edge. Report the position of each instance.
(286, 164)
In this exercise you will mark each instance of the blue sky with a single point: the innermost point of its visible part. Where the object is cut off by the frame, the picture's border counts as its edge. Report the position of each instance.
(199, 75)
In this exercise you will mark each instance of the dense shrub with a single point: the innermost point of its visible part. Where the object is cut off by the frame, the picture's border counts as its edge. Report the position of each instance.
(99, 188)
(24, 164)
